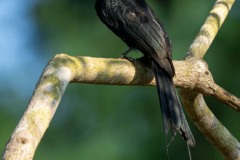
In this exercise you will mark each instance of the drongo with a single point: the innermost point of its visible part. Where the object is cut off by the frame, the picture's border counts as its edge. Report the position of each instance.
(137, 25)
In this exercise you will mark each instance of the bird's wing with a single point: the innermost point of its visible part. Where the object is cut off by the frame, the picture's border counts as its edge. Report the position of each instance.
(141, 29)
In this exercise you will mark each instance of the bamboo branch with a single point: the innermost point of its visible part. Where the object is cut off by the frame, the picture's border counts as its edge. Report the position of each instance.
(194, 103)
(36, 119)
(63, 69)
(210, 126)
(209, 29)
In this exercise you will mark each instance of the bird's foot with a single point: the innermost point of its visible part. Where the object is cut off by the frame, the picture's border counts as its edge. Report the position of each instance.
(130, 59)
(124, 55)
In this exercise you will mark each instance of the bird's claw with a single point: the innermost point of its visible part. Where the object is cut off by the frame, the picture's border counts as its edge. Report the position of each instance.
(130, 59)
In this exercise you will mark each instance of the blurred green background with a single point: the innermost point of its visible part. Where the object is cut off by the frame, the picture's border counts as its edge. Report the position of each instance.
(106, 122)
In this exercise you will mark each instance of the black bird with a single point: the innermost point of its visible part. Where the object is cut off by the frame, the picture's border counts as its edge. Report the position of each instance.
(136, 24)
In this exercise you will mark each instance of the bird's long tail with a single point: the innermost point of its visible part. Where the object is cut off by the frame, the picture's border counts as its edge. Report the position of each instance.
(172, 111)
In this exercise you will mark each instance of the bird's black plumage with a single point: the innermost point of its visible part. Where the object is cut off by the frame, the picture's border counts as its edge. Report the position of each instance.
(136, 24)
